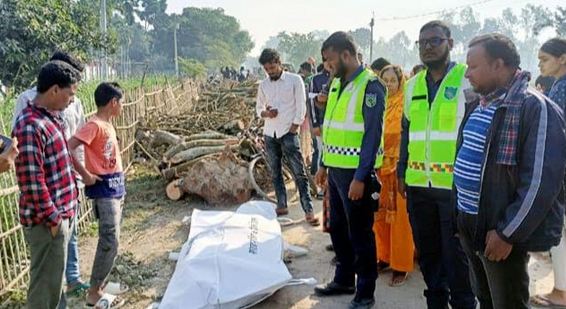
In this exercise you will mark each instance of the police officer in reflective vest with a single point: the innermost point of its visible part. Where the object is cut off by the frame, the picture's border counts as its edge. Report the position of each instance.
(433, 110)
(351, 138)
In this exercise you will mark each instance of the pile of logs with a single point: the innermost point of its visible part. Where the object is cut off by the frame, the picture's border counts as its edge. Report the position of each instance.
(206, 148)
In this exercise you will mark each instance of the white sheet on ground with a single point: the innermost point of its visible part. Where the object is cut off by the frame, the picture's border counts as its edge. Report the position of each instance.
(230, 260)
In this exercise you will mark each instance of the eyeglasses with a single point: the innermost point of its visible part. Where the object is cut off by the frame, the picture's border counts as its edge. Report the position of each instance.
(434, 42)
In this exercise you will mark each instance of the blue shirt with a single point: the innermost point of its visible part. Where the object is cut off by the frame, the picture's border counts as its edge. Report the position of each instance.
(558, 92)
(469, 160)
(373, 124)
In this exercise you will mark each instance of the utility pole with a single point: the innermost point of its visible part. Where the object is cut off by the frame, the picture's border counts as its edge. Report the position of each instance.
(122, 61)
(371, 24)
(103, 30)
(176, 57)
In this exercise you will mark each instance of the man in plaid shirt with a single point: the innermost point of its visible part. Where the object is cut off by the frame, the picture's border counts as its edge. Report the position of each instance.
(48, 189)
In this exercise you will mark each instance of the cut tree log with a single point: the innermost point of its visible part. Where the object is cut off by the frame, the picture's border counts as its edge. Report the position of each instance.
(234, 126)
(221, 180)
(161, 137)
(176, 171)
(196, 152)
(175, 149)
(174, 191)
(206, 135)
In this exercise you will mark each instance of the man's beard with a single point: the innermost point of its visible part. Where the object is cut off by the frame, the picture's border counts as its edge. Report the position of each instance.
(438, 64)
(340, 70)
(276, 76)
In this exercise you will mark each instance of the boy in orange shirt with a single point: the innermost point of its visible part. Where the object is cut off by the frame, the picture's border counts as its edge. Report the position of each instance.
(104, 183)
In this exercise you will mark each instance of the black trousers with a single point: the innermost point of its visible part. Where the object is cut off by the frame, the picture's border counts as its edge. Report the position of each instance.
(442, 261)
(351, 231)
(499, 285)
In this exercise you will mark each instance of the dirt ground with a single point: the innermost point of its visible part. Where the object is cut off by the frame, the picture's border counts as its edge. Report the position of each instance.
(152, 228)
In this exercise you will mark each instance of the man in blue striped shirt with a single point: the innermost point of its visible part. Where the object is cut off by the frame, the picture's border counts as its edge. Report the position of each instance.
(508, 174)
(467, 169)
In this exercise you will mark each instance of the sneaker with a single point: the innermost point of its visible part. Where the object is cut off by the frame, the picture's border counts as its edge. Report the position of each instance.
(361, 303)
(333, 289)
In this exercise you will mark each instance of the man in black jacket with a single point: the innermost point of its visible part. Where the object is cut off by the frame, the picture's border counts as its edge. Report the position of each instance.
(508, 173)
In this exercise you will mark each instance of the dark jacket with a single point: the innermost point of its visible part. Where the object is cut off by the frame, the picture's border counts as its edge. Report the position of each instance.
(524, 203)
(316, 113)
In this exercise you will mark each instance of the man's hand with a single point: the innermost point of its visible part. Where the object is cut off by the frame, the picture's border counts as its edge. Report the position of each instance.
(401, 187)
(7, 158)
(321, 177)
(294, 129)
(321, 99)
(356, 190)
(270, 112)
(55, 229)
(316, 131)
(496, 249)
(91, 179)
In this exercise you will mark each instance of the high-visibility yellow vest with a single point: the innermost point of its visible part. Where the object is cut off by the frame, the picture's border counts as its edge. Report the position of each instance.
(343, 128)
(434, 128)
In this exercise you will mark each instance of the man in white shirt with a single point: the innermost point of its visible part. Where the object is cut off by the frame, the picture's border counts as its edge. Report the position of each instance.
(281, 102)
(74, 118)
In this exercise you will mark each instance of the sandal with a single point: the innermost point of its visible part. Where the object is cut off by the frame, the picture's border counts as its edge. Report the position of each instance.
(116, 288)
(382, 267)
(542, 301)
(77, 290)
(312, 220)
(398, 278)
(107, 301)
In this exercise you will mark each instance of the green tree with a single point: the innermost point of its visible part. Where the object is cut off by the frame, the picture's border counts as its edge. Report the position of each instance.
(362, 37)
(152, 12)
(298, 47)
(397, 50)
(33, 29)
(192, 68)
(529, 45)
(206, 35)
(560, 21)
(556, 20)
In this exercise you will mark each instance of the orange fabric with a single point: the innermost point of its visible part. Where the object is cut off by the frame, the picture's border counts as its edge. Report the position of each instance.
(102, 154)
(392, 229)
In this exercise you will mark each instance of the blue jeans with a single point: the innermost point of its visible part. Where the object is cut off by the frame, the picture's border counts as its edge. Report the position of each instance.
(315, 156)
(289, 146)
(72, 270)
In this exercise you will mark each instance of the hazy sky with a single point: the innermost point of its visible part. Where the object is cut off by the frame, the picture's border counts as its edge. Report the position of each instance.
(264, 18)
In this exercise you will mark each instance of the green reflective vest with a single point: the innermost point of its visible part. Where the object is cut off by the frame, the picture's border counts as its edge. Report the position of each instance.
(343, 128)
(434, 128)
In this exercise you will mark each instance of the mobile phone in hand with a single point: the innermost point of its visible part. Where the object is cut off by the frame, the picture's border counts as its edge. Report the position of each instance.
(5, 144)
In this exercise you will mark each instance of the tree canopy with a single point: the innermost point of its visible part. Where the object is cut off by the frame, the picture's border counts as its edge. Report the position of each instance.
(139, 32)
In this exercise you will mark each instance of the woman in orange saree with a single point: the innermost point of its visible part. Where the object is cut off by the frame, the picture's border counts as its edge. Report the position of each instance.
(392, 228)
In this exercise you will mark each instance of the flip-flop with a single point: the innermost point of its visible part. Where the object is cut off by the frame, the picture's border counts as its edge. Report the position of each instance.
(107, 301)
(116, 288)
(313, 221)
(398, 274)
(78, 290)
(541, 301)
